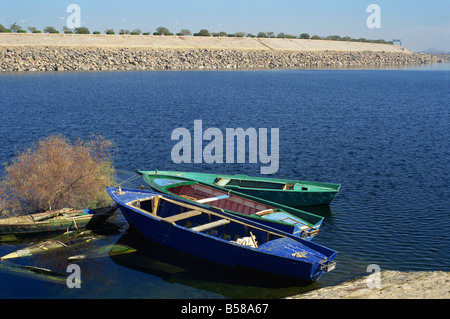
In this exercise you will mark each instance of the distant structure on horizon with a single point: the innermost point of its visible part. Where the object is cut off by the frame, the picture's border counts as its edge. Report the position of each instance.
(397, 41)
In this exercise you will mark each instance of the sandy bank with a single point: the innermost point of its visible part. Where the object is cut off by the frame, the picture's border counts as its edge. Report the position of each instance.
(393, 285)
(187, 42)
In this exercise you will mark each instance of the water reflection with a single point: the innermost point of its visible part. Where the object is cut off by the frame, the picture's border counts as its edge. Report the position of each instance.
(175, 267)
(321, 210)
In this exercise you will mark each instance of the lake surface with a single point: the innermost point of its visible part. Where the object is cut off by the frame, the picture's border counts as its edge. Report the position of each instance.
(381, 133)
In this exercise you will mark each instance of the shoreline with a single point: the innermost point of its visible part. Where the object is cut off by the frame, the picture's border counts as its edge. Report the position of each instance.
(61, 52)
(392, 285)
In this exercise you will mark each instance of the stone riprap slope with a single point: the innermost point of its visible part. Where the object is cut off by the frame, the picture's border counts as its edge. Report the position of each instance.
(61, 52)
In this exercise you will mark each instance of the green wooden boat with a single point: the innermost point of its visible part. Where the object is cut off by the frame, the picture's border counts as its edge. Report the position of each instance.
(283, 191)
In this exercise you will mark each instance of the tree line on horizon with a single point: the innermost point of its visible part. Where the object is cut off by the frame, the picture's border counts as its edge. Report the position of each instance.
(15, 28)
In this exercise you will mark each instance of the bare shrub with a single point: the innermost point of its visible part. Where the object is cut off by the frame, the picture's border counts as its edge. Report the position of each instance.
(56, 173)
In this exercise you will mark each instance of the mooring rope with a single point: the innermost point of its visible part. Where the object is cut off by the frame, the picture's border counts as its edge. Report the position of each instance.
(136, 176)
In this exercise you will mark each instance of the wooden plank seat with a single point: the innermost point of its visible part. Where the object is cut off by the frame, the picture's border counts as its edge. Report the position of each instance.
(175, 218)
(214, 224)
(264, 212)
(211, 199)
(288, 186)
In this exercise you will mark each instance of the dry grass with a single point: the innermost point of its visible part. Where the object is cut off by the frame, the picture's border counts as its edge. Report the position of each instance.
(56, 173)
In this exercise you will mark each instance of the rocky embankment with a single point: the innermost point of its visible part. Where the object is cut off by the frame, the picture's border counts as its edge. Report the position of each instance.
(81, 59)
(50, 52)
(391, 285)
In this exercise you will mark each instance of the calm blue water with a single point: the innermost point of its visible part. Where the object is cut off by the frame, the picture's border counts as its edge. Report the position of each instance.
(382, 134)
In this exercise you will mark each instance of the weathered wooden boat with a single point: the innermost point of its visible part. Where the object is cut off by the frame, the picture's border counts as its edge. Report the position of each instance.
(75, 241)
(287, 192)
(55, 220)
(300, 223)
(221, 237)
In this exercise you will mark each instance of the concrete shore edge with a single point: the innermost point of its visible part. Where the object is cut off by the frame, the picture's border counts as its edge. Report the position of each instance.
(388, 285)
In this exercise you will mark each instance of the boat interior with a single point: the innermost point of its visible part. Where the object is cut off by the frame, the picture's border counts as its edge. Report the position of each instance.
(45, 217)
(253, 184)
(275, 185)
(205, 221)
(237, 204)
(219, 199)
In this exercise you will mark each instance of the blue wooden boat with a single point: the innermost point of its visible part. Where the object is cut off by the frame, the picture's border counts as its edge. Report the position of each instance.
(221, 237)
(287, 192)
(303, 224)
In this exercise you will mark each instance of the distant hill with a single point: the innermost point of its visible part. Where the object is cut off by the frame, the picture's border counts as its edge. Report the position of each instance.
(435, 51)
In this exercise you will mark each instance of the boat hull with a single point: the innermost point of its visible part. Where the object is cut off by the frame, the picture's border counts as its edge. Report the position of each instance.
(221, 251)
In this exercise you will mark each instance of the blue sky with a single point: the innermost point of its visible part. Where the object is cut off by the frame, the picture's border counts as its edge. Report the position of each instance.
(420, 24)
